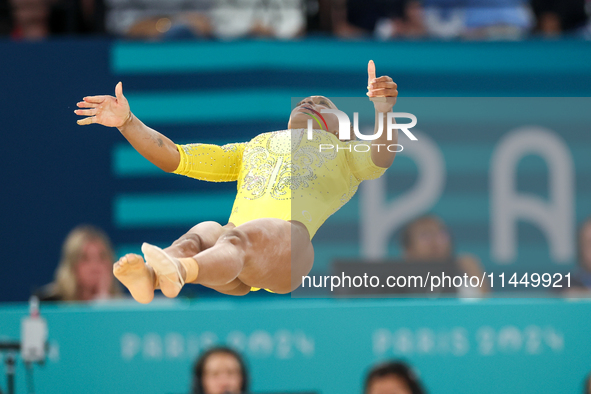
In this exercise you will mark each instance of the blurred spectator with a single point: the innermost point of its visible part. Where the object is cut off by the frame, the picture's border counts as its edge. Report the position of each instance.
(77, 17)
(392, 378)
(85, 271)
(409, 24)
(258, 18)
(557, 16)
(497, 19)
(580, 282)
(225, 19)
(30, 19)
(587, 385)
(318, 16)
(412, 25)
(220, 370)
(477, 19)
(445, 19)
(5, 27)
(154, 19)
(358, 18)
(427, 239)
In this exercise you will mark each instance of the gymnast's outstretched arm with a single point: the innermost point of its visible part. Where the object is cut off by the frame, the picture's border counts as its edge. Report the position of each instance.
(115, 112)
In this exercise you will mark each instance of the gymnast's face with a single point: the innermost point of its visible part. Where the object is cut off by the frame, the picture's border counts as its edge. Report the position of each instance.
(299, 116)
(222, 374)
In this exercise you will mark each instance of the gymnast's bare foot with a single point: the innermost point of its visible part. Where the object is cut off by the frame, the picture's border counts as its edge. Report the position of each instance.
(171, 274)
(136, 276)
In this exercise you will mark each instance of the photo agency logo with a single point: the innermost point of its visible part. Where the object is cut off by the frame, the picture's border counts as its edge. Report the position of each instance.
(345, 128)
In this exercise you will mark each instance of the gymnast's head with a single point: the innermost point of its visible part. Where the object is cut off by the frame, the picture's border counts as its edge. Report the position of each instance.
(310, 108)
(220, 370)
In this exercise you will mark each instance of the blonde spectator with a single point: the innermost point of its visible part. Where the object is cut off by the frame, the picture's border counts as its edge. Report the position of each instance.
(85, 271)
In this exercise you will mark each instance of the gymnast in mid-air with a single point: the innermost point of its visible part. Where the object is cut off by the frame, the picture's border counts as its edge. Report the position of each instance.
(287, 187)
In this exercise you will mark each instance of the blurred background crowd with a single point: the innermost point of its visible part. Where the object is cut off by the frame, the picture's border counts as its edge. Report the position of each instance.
(289, 19)
(223, 370)
(84, 272)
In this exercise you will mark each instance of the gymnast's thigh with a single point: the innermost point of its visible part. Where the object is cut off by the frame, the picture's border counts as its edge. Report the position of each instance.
(277, 254)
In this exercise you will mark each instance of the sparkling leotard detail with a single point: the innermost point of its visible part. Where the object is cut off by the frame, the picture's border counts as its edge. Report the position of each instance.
(283, 174)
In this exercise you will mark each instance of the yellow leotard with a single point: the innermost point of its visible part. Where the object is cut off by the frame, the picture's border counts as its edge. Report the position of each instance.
(283, 174)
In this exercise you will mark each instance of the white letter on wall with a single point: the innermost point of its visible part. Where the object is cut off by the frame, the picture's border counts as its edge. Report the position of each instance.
(554, 217)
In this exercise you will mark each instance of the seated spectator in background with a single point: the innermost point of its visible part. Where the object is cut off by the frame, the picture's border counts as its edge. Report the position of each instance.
(445, 19)
(366, 18)
(220, 370)
(477, 19)
(85, 271)
(225, 19)
(410, 24)
(153, 19)
(30, 19)
(77, 17)
(555, 17)
(580, 282)
(5, 26)
(37, 19)
(392, 378)
(282, 19)
(427, 239)
(497, 19)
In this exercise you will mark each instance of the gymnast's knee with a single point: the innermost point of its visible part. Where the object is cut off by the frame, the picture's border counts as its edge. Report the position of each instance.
(190, 243)
(235, 237)
(201, 225)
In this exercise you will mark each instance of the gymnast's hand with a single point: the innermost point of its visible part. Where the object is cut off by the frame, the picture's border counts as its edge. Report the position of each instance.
(382, 91)
(105, 110)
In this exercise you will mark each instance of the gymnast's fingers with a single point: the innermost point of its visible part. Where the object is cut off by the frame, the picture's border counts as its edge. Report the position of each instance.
(383, 93)
(84, 104)
(86, 112)
(383, 78)
(371, 71)
(95, 99)
(86, 121)
(382, 85)
(119, 92)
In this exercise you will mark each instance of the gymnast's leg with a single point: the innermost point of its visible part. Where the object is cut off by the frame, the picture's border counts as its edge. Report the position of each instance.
(140, 278)
(265, 253)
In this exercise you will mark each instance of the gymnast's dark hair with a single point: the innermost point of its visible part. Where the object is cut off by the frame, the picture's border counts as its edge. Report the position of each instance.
(199, 367)
(395, 368)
